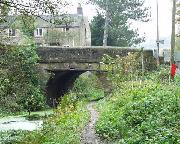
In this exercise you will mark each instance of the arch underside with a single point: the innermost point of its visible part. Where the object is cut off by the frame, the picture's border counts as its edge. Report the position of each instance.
(60, 83)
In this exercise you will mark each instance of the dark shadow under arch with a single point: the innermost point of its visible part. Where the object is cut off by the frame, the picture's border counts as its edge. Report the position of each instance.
(60, 83)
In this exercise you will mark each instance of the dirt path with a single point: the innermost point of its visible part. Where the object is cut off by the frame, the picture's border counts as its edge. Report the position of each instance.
(89, 135)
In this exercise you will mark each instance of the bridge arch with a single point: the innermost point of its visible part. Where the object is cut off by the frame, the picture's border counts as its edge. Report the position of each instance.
(59, 84)
(67, 64)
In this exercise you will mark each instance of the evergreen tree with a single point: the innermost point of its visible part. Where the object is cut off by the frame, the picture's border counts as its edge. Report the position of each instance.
(121, 15)
(97, 30)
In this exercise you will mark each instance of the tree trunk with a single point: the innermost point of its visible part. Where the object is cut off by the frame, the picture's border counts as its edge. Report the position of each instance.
(106, 27)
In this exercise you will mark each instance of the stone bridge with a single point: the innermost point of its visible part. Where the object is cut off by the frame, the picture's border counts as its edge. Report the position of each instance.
(66, 64)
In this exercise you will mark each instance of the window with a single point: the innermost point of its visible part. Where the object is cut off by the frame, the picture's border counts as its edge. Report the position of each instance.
(66, 29)
(11, 32)
(39, 32)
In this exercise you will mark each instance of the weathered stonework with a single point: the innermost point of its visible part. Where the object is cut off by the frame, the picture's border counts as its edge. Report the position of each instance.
(79, 54)
(54, 58)
(66, 64)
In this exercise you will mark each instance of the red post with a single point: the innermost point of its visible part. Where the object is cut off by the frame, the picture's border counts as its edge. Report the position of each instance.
(173, 70)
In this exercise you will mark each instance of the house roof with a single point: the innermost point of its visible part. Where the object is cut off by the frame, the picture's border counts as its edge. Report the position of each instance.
(8, 21)
(45, 21)
(71, 20)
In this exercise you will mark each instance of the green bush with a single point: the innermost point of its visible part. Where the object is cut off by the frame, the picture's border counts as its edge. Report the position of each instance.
(177, 79)
(161, 75)
(88, 87)
(64, 127)
(33, 117)
(11, 137)
(141, 109)
(142, 113)
(19, 82)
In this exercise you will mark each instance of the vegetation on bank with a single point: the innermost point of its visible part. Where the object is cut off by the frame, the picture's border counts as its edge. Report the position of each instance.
(69, 119)
(63, 127)
(141, 112)
(19, 81)
(141, 108)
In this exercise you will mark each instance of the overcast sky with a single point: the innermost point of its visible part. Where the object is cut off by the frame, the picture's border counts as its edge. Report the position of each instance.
(148, 28)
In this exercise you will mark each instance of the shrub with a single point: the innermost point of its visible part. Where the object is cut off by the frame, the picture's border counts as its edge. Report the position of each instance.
(88, 87)
(144, 113)
(11, 137)
(63, 127)
(33, 117)
(19, 79)
(161, 75)
(140, 110)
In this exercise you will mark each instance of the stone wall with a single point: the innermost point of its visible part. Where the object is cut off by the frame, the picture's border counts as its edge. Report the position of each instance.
(80, 54)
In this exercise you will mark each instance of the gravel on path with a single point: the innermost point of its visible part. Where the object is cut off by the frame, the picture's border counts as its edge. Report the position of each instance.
(89, 134)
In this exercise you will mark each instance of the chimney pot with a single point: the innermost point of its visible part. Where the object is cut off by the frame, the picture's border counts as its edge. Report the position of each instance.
(79, 9)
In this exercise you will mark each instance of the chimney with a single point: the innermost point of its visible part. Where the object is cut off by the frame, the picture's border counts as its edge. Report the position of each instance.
(79, 10)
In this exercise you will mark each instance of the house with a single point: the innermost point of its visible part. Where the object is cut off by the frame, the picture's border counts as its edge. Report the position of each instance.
(68, 30)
